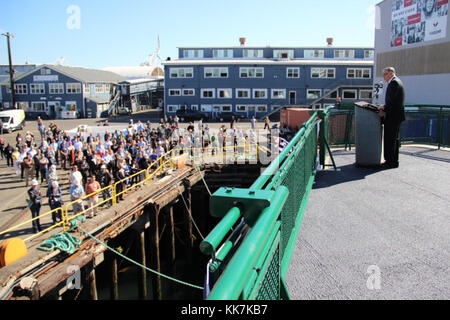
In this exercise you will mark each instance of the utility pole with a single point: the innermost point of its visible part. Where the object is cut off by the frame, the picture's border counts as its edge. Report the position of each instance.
(11, 70)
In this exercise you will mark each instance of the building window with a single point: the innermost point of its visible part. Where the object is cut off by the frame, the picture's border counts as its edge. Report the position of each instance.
(225, 93)
(37, 88)
(107, 88)
(223, 53)
(208, 93)
(293, 73)
(181, 72)
(45, 71)
(226, 108)
(243, 93)
(283, 54)
(172, 108)
(359, 73)
(56, 88)
(349, 94)
(344, 53)
(87, 88)
(216, 72)
(323, 73)
(259, 93)
(261, 108)
(369, 54)
(38, 106)
(314, 54)
(253, 53)
(313, 93)
(332, 95)
(365, 94)
(241, 108)
(21, 88)
(278, 93)
(73, 88)
(174, 92)
(24, 106)
(189, 92)
(98, 88)
(251, 72)
(193, 53)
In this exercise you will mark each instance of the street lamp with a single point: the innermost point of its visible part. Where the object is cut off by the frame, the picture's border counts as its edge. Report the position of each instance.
(11, 70)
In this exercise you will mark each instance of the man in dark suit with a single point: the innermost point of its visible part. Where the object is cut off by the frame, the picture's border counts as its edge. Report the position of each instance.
(393, 113)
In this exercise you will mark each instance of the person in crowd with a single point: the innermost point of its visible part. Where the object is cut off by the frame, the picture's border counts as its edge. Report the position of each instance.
(28, 165)
(77, 194)
(92, 187)
(54, 195)
(35, 203)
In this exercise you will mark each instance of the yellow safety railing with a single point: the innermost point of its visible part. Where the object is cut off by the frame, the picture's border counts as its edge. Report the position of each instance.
(156, 167)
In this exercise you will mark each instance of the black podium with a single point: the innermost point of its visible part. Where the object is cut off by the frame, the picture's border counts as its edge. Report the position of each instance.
(368, 135)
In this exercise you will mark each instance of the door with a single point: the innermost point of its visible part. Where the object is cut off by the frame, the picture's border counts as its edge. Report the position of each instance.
(54, 109)
(251, 111)
(292, 97)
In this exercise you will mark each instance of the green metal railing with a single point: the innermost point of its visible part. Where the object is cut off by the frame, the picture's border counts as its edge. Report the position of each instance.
(429, 124)
(252, 245)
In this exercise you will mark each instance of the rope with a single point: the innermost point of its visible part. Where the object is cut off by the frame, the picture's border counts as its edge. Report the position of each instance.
(62, 241)
(137, 263)
(203, 178)
(190, 214)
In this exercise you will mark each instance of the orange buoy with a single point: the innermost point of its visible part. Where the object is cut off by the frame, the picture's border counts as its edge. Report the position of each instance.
(12, 250)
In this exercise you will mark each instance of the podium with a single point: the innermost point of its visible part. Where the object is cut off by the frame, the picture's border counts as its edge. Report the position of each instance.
(368, 135)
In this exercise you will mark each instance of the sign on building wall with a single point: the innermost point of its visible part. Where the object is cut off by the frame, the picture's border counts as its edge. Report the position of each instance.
(45, 78)
(415, 21)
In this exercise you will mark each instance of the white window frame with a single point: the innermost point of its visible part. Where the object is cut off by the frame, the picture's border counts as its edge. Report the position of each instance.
(215, 73)
(99, 88)
(279, 90)
(248, 91)
(19, 88)
(45, 71)
(344, 54)
(369, 54)
(229, 90)
(279, 54)
(355, 71)
(174, 92)
(350, 90)
(33, 103)
(308, 92)
(188, 92)
(56, 88)
(220, 53)
(296, 70)
(226, 105)
(193, 53)
(365, 91)
(316, 54)
(317, 106)
(37, 88)
(177, 71)
(24, 105)
(107, 88)
(241, 105)
(260, 90)
(328, 94)
(257, 106)
(202, 92)
(247, 70)
(70, 87)
(253, 53)
(87, 88)
(194, 107)
(319, 71)
(172, 108)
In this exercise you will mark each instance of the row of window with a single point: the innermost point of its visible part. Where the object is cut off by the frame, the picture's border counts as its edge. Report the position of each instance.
(246, 93)
(41, 106)
(258, 72)
(277, 53)
(220, 108)
(58, 88)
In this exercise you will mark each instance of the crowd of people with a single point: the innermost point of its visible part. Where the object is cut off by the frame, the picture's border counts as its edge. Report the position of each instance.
(99, 161)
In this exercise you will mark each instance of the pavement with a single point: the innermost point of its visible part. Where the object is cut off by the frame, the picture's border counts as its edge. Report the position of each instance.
(372, 234)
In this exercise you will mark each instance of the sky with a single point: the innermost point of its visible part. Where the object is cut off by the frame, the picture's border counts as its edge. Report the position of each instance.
(103, 33)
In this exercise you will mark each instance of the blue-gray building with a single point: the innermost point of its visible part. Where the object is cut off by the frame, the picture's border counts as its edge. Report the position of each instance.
(260, 80)
(55, 91)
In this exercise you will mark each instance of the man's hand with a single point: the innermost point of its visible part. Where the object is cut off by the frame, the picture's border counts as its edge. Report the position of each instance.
(381, 112)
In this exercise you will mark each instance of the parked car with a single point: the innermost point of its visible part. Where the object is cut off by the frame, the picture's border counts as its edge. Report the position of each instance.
(192, 115)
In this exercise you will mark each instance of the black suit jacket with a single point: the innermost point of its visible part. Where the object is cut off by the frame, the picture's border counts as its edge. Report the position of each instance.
(395, 102)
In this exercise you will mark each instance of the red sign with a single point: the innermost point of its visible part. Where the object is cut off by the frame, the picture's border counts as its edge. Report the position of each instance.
(398, 41)
(415, 18)
(409, 3)
(442, 2)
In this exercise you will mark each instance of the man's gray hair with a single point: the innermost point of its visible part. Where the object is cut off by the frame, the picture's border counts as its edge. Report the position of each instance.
(389, 70)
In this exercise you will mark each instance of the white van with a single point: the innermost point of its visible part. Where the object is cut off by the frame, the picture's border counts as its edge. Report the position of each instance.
(12, 120)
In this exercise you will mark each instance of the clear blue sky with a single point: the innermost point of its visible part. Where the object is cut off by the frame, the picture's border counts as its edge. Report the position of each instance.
(125, 32)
